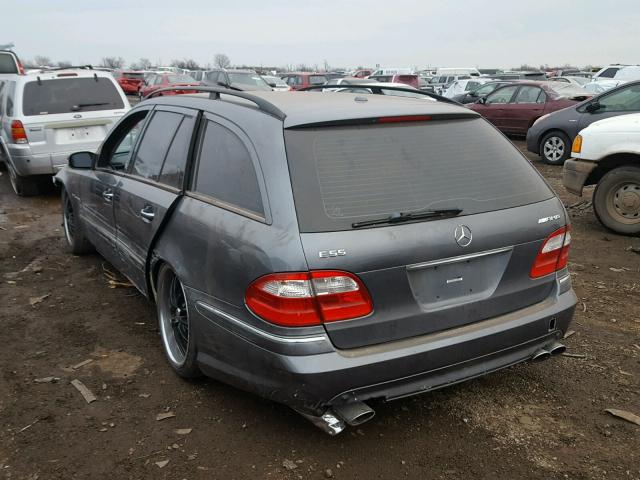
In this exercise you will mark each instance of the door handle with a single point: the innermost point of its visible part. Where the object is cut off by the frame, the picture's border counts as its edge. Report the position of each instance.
(147, 214)
(107, 195)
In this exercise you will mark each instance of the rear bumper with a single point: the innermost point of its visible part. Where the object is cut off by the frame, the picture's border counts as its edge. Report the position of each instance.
(575, 174)
(533, 141)
(327, 376)
(27, 163)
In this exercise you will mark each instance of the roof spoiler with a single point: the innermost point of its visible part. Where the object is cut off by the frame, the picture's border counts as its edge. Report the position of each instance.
(214, 94)
(435, 96)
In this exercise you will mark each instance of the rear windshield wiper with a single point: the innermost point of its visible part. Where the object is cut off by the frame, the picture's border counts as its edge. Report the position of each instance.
(398, 217)
(75, 108)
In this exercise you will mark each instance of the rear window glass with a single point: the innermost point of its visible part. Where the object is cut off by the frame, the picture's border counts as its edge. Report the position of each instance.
(317, 79)
(7, 63)
(249, 81)
(66, 95)
(136, 76)
(180, 79)
(342, 175)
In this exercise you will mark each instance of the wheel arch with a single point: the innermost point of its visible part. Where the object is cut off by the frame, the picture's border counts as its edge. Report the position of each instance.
(609, 163)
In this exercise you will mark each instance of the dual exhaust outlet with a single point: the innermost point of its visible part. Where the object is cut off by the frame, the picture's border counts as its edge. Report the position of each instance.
(335, 419)
(555, 348)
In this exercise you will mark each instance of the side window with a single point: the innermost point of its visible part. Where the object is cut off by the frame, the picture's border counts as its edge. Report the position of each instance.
(155, 144)
(502, 95)
(485, 90)
(624, 100)
(226, 171)
(609, 73)
(119, 146)
(175, 163)
(158, 80)
(528, 94)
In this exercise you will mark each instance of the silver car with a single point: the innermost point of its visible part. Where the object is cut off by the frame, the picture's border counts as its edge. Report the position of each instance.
(47, 115)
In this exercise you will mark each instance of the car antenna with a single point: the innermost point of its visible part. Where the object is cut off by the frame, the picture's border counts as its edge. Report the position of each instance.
(39, 81)
(95, 76)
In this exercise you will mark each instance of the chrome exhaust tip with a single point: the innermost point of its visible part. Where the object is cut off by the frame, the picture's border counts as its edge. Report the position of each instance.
(328, 422)
(540, 355)
(354, 413)
(556, 348)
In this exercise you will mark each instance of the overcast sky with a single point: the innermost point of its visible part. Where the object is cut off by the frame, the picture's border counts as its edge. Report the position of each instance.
(487, 33)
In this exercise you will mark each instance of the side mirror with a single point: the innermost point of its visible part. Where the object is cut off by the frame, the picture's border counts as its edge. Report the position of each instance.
(482, 100)
(593, 107)
(83, 160)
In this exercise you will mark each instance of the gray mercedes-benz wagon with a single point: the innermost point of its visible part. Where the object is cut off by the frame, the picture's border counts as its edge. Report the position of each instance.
(325, 249)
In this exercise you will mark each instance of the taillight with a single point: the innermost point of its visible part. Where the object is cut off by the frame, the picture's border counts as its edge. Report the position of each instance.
(308, 298)
(17, 132)
(554, 254)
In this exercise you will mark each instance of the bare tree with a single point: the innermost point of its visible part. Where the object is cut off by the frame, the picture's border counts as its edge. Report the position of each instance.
(327, 67)
(221, 60)
(187, 63)
(63, 63)
(141, 64)
(113, 62)
(41, 61)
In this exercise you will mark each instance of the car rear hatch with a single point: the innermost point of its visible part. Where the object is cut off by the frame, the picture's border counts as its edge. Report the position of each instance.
(423, 275)
(69, 113)
(132, 79)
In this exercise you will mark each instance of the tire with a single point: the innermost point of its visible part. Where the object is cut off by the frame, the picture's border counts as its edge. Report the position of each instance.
(176, 332)
(22, 186)
(616, 200)
(555, 148)
(77, 242)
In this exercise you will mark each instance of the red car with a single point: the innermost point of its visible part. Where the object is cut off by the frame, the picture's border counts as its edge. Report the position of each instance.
(515, 107)
(299, 80)
(129, 80)
(168, 79)
(362, 73)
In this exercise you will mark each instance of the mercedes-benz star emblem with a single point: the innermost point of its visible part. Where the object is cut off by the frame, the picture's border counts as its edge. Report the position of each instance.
(463, 235)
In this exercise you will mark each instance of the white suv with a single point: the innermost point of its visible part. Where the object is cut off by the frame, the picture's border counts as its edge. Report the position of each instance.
(47, 115)
(607, 154)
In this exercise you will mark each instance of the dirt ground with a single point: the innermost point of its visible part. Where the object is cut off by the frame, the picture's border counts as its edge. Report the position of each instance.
(59, 318)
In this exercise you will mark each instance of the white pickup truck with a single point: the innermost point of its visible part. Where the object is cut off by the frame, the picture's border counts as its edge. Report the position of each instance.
(607, 154)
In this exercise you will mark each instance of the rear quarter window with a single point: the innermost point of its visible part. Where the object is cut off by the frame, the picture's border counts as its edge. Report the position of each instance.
(65, 95)
(342, 175)
(226, 172)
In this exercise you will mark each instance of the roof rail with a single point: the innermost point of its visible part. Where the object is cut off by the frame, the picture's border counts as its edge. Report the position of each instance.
(376, 89)
(214, 94)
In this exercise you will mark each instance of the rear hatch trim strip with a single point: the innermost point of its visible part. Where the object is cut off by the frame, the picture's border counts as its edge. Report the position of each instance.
(461, 258)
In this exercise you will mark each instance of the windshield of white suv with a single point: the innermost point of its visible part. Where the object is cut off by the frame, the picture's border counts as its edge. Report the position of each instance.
(64, 95)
